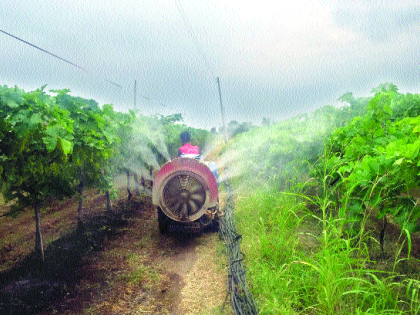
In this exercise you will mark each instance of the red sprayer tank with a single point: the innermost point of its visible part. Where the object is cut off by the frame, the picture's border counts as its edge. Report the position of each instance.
(185, 190)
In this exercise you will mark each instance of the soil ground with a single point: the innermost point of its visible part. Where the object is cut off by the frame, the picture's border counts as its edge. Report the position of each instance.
(119, 264)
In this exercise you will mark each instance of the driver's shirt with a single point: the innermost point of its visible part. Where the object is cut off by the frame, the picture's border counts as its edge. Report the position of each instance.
(188, 149)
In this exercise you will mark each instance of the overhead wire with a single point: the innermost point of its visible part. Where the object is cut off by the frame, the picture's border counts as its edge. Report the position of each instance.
(54, 55)
(162, 104)
(193, 36)
(189, 30)
(78, 66)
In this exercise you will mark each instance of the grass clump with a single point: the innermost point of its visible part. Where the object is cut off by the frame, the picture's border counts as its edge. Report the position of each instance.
(302, 261)
(141, 272)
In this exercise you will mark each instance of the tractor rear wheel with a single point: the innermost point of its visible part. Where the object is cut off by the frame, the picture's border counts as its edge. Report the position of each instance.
(163, 222)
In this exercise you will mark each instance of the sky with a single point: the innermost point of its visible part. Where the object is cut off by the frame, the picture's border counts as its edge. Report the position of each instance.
(274, 59)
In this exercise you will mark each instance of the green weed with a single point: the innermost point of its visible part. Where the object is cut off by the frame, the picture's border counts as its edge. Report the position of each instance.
(305, 262)
(141, 273)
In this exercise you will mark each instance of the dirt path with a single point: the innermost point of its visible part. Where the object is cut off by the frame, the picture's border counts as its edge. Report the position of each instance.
(201, 278)
(138, 271)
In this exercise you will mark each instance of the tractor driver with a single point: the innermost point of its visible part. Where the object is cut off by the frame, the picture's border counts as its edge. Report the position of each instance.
(188, 150)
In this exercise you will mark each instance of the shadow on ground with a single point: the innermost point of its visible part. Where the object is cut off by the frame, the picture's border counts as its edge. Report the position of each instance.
(34, 285)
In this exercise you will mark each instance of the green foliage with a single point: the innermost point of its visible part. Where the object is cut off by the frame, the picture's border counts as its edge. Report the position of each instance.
(265, 121)
(301, 262)
(142, 146)
(357, 108)
(36, 142)
(235, 128)
(47, 140)
(378, 159)
(95, 138)
(300, 244)
(170, 119)
(49, 144)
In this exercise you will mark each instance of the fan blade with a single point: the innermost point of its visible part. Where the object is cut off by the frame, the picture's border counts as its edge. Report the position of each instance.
(193, 206)
(176, 208)
(171, 201)
(195, 188)
(184, 211)
(198, 197)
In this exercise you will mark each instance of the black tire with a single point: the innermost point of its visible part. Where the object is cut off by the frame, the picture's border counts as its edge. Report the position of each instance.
(163, 222)
(215, 226)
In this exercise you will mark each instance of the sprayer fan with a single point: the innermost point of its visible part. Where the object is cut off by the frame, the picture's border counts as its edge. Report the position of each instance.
(184, 196)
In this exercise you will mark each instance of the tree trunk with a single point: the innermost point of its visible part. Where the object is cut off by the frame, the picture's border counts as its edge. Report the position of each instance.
(143, 183)
(152, 178)
(80, 207)
(39, 246)
(136, 180)
(128, 185)
(108, 201)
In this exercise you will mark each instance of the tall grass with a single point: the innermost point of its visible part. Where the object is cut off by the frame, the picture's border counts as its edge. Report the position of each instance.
(301, 261)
